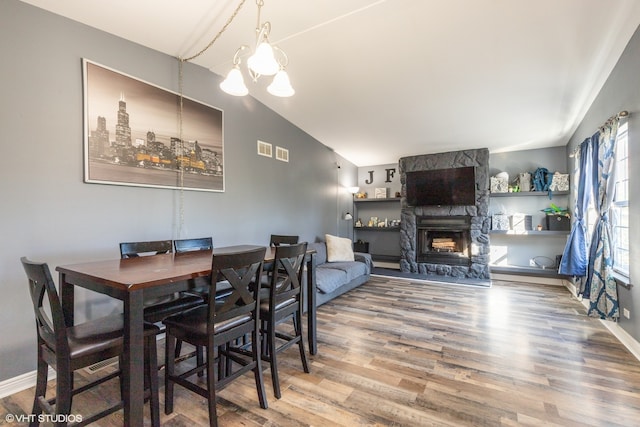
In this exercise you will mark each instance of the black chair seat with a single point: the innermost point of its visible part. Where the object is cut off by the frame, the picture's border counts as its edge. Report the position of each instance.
(194, 322)
(264, 306)
(100, 335)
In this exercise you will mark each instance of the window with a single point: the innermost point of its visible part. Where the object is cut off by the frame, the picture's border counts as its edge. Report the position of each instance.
(620, 208)
(619, 214)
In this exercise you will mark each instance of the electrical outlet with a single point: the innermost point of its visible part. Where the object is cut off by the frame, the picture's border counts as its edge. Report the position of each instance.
(532, 262)
(626, 313)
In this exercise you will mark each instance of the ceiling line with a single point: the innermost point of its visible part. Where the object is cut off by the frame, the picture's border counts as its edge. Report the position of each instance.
(330, 21)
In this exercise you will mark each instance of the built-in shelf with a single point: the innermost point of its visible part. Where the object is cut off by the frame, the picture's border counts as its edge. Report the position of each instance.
(385, 199)
(531, 232)
(531, 193)
(386, 258)
(377, 228)
(526, 271)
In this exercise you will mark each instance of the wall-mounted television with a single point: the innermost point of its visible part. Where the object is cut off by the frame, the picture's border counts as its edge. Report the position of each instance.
(442, 187)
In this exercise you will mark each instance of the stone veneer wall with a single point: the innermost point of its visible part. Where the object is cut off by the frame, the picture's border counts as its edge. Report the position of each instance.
(480, 220)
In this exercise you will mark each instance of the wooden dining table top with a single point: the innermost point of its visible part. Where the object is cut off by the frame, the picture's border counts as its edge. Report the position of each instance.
(146, 271)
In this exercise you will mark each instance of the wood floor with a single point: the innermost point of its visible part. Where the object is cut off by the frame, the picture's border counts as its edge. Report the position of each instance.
(400, 353)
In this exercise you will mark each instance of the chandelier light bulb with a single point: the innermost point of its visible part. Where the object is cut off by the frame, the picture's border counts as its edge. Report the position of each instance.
(234, 83)
(263, 61)
(281, 85)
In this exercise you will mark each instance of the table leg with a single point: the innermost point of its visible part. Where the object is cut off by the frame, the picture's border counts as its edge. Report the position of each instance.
(67, 299)
(311, 304)
(133, 369)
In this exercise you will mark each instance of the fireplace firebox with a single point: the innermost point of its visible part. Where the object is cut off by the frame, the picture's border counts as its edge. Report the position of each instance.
(443, 240)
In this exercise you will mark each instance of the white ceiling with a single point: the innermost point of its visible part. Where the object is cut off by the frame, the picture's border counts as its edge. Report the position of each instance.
(377, 80)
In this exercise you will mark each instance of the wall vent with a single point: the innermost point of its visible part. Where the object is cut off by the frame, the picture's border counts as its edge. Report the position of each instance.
(265, 149)
(282, 154)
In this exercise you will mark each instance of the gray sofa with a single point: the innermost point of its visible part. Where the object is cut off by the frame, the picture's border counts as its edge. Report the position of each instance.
(336, 278)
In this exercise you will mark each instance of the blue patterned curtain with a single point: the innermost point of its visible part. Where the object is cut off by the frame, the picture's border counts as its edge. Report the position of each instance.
(601, 286)
(574, 258)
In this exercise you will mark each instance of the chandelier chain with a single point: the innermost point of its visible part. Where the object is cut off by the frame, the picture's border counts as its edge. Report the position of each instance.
(179, 148)
(217, 36)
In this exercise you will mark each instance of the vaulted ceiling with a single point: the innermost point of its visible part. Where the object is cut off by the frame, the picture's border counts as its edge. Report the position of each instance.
(377, 80)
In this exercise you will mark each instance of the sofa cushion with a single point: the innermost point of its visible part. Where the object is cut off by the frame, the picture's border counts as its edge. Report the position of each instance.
(321, 252)
(351, 269)
(338, 249)
(329, 279)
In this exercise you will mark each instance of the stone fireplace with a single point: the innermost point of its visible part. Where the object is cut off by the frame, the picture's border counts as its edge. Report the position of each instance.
(447, 240)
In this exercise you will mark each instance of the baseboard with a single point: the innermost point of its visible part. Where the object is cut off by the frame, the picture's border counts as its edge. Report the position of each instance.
(623, 336)
(21, 382)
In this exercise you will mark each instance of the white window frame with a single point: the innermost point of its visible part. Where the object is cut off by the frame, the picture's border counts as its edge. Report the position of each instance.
(620, 208)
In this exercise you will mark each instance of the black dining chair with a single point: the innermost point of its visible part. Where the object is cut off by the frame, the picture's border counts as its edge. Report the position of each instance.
(285, 303)
(194, 245)
(274, 241)
(219, 327)
(69, 348)
(197, 244)
(157, 309)
(279, 239)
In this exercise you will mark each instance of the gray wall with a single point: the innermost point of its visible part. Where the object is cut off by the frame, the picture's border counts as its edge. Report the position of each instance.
(49, 214)
(622, 92)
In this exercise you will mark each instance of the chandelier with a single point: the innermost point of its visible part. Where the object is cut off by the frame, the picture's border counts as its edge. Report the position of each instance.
(266, 60)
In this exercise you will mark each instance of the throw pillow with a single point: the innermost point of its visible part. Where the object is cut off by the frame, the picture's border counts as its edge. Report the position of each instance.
(338, 248)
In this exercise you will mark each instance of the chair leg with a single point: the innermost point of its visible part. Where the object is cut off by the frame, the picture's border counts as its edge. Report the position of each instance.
(257, 358)
(178, 348)
(221, 363)
(170, 363)
(211, 388)
(199, 359)
(41, 387)
(151, 368)
(120, 377)
(297, 324)
(271, 343)
(64, 387)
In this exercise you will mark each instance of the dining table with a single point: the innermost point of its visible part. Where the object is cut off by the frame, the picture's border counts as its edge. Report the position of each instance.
(134, 280)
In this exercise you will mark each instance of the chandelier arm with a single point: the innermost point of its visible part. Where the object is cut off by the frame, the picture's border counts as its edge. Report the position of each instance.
(236, 56)
(284, 55)
(262, 32)
(217, 36)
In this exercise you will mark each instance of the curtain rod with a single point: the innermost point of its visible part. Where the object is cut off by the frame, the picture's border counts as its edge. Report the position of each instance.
(621, 114)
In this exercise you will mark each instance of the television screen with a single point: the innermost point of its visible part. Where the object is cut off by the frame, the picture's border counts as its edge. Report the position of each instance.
(442, 187)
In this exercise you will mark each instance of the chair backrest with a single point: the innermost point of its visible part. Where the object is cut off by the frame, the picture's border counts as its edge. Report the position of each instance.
(52, 331)
(188, 245)
(278, 239)
(287, 273)
(241, 271)
(135, 249)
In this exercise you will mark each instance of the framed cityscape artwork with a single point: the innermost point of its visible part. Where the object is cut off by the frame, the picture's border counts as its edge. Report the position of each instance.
(133, 135)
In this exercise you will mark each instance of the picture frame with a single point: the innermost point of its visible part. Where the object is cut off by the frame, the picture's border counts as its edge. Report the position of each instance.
(134, 134)
(381, 193)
